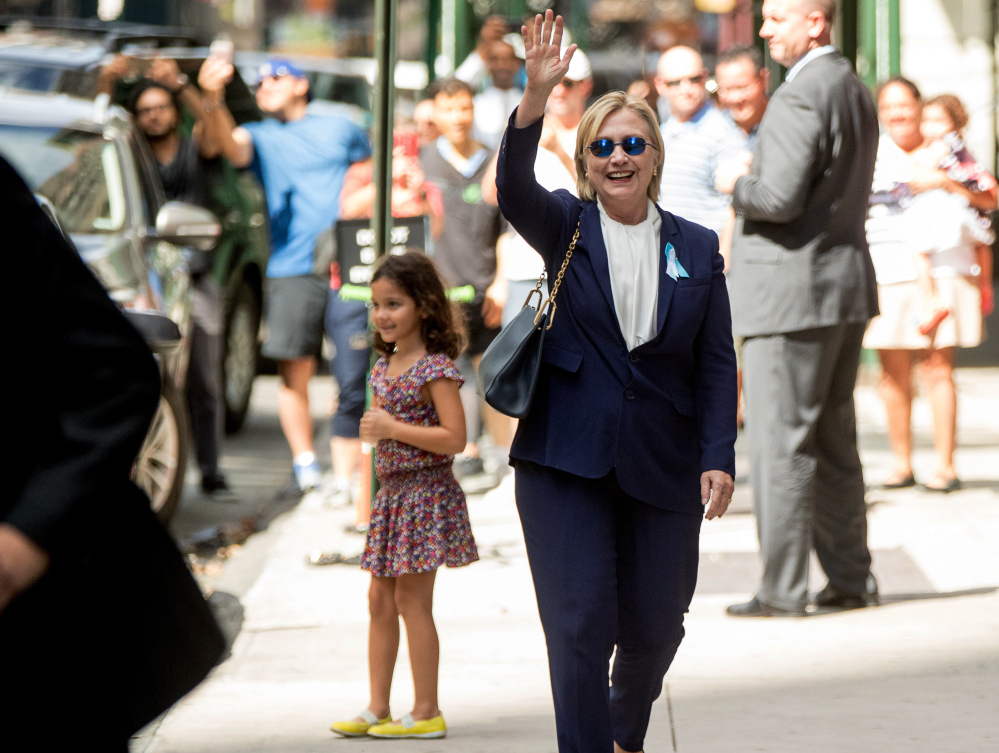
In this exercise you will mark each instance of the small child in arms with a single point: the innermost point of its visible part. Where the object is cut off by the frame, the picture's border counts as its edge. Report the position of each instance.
(944, 117)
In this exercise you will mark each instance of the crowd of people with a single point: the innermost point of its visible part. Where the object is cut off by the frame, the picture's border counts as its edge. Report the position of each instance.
(829, 233)
(316, 168)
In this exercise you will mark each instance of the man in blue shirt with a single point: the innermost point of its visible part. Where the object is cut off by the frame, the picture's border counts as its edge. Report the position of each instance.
(697, 137)
(301, 160)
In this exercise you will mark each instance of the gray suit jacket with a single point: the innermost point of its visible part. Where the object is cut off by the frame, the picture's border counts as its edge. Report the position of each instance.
(799, 254)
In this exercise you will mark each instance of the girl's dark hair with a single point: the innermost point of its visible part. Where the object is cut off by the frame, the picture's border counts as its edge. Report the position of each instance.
(901, 81)
(415, 275)
(953, 107)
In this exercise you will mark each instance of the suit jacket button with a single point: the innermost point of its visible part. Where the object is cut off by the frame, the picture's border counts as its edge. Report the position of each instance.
(633, 357)
(630, 394)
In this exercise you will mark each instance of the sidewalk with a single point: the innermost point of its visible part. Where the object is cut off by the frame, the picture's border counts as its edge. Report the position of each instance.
(920, 673)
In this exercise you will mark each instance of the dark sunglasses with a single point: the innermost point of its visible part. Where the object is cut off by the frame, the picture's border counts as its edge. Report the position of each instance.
(693, 80)
(633, 146)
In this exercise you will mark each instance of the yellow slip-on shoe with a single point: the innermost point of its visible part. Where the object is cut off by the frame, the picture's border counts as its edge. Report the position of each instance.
(407, 727)
(358, 729)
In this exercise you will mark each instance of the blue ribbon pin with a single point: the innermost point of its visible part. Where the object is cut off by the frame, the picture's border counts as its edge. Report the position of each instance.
(673, 267)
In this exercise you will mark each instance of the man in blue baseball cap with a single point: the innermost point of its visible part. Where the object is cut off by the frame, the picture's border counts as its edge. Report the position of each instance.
(301, 159)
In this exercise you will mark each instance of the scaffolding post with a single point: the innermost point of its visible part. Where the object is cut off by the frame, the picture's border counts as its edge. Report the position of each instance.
(381, 217)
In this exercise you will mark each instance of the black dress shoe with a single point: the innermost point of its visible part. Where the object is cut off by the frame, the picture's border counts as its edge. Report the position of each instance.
(907, 483)
(831, 597)
(951, 486)
(756, 608)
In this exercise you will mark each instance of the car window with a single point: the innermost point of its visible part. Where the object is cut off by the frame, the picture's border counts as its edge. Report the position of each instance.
(78, 171)
(37, 78)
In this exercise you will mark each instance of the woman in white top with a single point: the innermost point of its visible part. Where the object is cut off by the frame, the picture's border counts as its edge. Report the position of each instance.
(630, 437)
(916, 209)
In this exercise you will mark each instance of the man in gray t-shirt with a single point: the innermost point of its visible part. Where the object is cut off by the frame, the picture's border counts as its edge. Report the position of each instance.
(696, 137)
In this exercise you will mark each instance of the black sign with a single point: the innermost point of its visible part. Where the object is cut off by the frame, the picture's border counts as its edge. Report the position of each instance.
(356, 252)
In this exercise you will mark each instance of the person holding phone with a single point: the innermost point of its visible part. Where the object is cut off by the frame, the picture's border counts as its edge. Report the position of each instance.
(185, 163)
(301, 160)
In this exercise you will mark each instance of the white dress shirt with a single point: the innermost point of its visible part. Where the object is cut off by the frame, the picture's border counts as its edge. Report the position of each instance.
(807, 58)
(633, 260)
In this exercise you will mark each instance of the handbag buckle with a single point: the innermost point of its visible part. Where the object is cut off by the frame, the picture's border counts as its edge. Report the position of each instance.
(527, 301)
(541, 312)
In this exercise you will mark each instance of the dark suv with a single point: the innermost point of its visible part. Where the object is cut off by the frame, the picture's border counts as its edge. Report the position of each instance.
(96, 177)
(48, 55)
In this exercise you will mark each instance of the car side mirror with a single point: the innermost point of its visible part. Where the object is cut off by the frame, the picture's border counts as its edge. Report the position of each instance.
(161, 333)
(188, 225)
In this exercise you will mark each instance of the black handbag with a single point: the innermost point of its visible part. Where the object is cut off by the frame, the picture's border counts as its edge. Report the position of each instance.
(508, 371)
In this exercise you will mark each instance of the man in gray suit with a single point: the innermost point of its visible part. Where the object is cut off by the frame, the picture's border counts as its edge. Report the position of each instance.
(803, 289)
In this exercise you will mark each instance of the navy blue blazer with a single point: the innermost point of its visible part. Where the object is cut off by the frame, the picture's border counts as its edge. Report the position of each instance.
(658, 415)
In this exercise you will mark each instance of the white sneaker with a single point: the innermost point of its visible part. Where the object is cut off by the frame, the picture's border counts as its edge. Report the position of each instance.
(308, 475)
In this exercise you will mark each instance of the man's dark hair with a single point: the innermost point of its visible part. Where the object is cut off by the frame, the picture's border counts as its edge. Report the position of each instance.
(901, 81)
(741, 52)
(449, 87)
(145, 85)
(432, 88)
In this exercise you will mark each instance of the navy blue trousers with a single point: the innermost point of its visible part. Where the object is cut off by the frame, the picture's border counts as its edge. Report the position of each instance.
(609, 571)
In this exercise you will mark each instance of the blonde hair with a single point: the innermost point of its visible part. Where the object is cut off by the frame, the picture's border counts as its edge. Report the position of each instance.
(594, 117)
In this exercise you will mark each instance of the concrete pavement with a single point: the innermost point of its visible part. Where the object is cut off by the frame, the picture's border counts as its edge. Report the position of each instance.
(920, 673)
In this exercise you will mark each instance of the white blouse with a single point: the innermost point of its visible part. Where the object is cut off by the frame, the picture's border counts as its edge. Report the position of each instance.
(633, 259)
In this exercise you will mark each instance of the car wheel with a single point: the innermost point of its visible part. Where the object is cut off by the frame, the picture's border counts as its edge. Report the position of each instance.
(159, 469)
(240, 358)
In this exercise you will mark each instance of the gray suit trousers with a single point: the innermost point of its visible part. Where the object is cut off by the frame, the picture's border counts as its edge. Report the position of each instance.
(808, 483)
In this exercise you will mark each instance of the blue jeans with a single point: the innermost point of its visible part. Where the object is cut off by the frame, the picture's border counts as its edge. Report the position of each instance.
(347, 327)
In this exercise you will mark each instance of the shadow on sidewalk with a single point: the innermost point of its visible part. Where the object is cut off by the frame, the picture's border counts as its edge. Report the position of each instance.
(897, 598)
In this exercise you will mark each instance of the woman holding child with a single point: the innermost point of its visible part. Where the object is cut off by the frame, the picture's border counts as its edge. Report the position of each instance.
(930, 242)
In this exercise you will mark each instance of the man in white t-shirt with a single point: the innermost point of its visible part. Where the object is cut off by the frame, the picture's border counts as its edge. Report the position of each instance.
(494, 106)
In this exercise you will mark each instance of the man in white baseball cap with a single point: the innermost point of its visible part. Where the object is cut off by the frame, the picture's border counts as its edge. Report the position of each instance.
(567, 102)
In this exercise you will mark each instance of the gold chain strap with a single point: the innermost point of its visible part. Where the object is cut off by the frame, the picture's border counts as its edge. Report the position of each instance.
(555, 287)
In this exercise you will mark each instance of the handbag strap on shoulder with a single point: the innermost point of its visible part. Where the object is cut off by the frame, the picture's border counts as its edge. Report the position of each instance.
(558, 282)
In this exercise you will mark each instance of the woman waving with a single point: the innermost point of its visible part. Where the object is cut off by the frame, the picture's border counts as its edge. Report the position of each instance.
(630, 438)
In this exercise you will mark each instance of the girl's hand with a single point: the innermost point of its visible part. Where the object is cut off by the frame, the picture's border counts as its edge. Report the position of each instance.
(377, 424)
(544, 66)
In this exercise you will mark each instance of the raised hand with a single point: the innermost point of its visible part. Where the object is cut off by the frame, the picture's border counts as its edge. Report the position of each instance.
(215, 73)
(165, 72)
(545, 65)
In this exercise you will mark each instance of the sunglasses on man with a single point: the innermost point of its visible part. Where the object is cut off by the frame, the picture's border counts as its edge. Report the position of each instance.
(692, 80)
(632, 146)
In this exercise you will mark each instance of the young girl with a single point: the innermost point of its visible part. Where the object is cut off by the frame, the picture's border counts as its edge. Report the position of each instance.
(952, 225)
(419, 520)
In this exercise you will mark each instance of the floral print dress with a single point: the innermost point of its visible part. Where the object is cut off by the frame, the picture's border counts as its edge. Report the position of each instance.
(419, 520)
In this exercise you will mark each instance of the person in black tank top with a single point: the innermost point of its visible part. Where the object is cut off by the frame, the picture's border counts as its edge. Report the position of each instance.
(184, 174)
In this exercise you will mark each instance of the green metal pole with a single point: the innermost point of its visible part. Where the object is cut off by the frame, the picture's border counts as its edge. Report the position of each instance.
(464, 31)
(385, 54)
(848, 30)
(381, 216)
(433, 36)
(878, 41)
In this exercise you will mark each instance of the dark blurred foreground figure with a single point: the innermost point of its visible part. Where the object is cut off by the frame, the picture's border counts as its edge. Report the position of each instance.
(102, 627)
